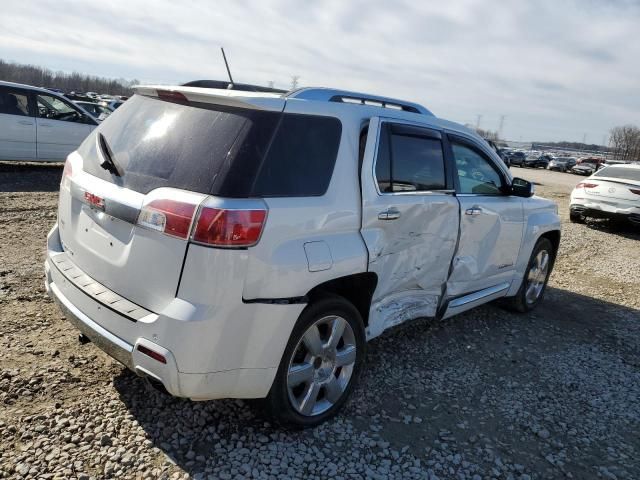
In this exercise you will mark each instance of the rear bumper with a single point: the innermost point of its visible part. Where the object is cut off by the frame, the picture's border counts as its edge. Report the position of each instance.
(196, 343)
(596, 211)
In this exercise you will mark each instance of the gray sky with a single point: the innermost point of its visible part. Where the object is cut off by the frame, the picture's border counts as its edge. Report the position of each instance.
(556, 69)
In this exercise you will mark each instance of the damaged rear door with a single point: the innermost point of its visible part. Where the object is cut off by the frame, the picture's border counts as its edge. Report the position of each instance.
(410, 220)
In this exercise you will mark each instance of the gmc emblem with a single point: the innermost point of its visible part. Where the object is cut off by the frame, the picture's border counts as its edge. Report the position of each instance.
(94, 200)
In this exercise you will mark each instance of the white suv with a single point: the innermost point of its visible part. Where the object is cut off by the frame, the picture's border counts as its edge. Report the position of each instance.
(247, 245)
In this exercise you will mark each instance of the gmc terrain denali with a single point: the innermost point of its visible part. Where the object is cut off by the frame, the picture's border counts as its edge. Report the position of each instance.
(247, 245)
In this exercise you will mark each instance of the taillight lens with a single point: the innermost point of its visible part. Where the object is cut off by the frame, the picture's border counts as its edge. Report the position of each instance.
(229, 228)
(67, 173)
(586, 185)
(633, 190)
(168, 216)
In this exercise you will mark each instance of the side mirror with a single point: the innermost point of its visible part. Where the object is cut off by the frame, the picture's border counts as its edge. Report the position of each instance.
(521, 188)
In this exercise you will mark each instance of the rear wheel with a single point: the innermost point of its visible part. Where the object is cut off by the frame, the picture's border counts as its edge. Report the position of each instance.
(320, 365)
(535, 279)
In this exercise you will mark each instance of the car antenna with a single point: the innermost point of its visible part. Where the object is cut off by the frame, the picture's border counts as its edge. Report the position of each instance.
(226, 64)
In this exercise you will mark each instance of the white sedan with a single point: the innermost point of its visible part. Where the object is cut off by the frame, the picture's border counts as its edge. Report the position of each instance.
(39, 125)
(612, 192)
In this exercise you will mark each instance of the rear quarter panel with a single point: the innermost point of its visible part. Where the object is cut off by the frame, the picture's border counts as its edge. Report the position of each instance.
(278, 266)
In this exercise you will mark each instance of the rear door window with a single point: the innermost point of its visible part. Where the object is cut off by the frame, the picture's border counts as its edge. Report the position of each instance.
(410, 159)
(14, 102)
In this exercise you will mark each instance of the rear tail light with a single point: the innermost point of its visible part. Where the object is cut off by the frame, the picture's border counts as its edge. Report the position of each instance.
(633, 190)
(67, 173)
(210, 224)
(229, 228)
(168, 216)
(586, 185)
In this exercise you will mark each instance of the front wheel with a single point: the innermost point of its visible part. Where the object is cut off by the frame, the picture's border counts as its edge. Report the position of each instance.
(320, 365)
(535, 279)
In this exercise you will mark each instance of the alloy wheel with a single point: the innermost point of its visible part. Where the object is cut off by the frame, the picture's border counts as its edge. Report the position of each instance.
(321, 366)
(537, 277)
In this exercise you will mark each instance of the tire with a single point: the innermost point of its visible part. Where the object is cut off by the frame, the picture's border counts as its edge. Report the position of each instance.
(524, 300)
(308, 367)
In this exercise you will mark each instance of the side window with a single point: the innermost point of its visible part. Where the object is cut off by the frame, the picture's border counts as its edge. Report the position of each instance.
(301, 157)
(55, 109)
(476, 173)
(14, 102)
(409, 162)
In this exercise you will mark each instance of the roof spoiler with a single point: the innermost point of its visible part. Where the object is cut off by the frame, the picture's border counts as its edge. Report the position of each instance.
(230, 98)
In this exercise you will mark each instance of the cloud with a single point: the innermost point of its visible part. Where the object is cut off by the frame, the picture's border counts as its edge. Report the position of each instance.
(556, 69)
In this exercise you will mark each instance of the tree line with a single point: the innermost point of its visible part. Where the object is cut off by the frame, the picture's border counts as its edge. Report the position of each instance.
(624, 142)
(67, 82)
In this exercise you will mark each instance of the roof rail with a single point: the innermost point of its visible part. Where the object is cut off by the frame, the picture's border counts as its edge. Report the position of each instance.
(345, 96)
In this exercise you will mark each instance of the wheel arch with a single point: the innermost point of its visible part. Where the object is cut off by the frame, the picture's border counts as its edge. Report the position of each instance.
(357, 288)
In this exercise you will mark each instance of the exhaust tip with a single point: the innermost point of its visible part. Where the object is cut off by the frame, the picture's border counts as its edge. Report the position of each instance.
(83, 339)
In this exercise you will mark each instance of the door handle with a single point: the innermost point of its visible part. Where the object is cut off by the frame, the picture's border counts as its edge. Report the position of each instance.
(473, 211)
(44, 125)
(25, 122)
(389, 214)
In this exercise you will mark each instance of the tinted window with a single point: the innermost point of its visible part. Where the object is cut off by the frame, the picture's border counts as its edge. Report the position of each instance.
(301, 158)
(55, 109)
(13, 102)
(417, 163)
(216, 150)
(408, 162)
(476, 173)
(623, 173)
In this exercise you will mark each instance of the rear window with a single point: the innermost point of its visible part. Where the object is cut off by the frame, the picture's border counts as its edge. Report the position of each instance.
(216, 150)
(622, 173)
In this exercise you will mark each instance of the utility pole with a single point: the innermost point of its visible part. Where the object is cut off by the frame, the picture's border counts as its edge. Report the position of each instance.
(478, 120)
(501, 126)
(294, 81)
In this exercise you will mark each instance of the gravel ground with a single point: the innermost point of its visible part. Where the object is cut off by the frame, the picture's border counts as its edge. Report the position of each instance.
(487, 394)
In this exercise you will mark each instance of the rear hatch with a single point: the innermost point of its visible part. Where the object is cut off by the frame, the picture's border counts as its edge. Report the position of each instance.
(160, 156)
(619, 183)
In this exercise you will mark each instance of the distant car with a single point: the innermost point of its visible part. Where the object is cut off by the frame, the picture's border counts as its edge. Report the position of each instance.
(584, 168)
(498, 150)
(517, 158)
(57, 90)
(534, 161)
(39, 125)
(92, 95)
(594, 160)
(562, 164)
(96, 110)
(612, 192)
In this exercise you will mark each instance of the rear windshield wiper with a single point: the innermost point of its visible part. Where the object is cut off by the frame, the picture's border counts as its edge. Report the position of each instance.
(108, 162)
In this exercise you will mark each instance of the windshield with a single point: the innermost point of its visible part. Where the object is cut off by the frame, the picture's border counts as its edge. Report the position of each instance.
(623, 173)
